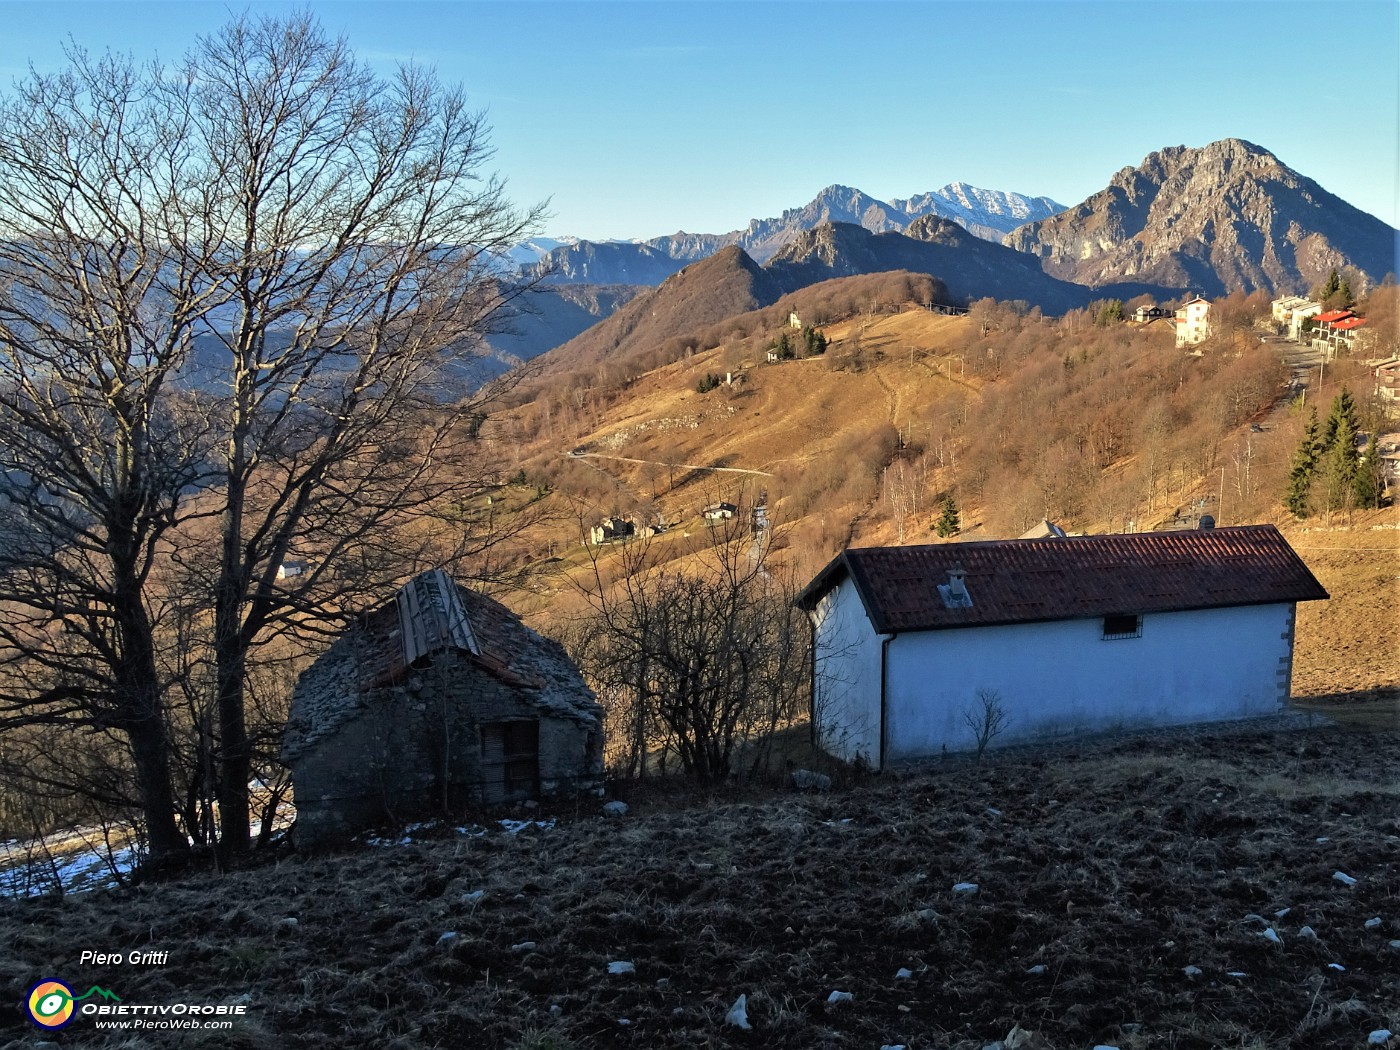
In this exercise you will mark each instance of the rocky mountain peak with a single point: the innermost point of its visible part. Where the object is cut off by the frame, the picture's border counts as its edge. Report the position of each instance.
(1218, 218)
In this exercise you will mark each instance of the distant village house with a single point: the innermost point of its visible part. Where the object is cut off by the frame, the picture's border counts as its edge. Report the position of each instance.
(611, 529)
(719, 511)
(1064, 635)
(1291, 311)
(1193, 322)
(436, 701)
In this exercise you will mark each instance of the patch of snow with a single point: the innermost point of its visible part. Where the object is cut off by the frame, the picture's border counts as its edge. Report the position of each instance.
(1038, 969)
(1373, 923)
(523, 947)
(615, 808)
(1192, 971)
(1344, 878)
(903, 973)
(515, 827)
(965, 889)
(738, 1014)
(1379, 1037)
(448, 937)
(621, 967)
(1337, 966)
(838, 997)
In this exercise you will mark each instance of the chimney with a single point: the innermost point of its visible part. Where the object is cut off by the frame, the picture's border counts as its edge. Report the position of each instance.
(954, 592)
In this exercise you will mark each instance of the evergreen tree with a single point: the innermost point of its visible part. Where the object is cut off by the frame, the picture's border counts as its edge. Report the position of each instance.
(1329, 287)
(1109, 312)
(949, 521)
(1304, 463)
(1343, 407)
(1340, 466)
(1370, 478)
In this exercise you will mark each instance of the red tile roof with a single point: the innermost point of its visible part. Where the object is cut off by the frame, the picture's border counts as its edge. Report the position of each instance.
(1027, 581)
(1330, 316)
(1348, 324)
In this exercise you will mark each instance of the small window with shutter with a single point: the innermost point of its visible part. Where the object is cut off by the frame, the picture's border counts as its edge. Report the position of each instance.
(510, 761)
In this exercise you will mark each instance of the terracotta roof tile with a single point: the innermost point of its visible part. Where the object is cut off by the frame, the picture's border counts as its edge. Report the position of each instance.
(1025, 581)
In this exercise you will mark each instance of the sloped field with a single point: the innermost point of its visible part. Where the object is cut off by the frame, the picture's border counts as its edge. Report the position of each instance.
(1103, 870)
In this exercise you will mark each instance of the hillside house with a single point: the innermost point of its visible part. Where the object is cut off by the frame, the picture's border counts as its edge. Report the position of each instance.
(1387, 375)
(1144, 314)
(1336, 331)
(1070, 636)
(1193, 322)
(438, 700)
(611, 529)
(1291, 311)
(794, 321)
(719, 511)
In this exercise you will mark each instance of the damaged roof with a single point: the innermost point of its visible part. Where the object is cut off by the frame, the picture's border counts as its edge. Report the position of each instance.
(432, 614)
(1037, 580)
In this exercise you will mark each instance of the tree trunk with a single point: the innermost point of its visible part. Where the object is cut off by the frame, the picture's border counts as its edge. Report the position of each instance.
(140, 717)
(234, 752)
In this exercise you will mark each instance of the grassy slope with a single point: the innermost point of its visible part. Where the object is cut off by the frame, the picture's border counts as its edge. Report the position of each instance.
(1113, 865)
(807, 419)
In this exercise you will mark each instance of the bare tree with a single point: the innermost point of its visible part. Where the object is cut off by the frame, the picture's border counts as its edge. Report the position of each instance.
(241, 309)
(700, 660)
(98, 311)
(986, 718)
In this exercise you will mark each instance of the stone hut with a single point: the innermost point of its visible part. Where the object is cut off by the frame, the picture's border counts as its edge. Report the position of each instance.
(438, 700)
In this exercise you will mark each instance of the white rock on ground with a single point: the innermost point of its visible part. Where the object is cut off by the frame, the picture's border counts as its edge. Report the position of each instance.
(621, 967)
(1271, 934)
(1307, 933)
(1344, 878)
(1372, 924)
(1038, 969)
(903, 973)
(1192, 971)
(473, 898)
(1379, 1037)
(836, 998)
(523, 947)
(450, 935)
(738, 1014)
(615, 808)
(966, 889)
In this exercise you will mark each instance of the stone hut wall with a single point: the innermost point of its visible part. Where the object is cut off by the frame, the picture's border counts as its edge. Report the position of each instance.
(413, 749)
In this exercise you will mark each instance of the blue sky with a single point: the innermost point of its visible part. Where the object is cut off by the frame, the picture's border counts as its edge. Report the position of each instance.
(638, 119)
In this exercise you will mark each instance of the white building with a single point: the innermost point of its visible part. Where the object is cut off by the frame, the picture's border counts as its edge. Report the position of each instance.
(1070, 636)
(1193, 322)
(1292, 310)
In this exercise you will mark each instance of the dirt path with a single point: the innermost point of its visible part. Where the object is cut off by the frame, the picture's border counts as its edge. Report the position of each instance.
(657, 463)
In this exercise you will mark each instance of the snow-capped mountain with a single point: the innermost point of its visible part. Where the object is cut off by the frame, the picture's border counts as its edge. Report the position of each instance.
(989, 214)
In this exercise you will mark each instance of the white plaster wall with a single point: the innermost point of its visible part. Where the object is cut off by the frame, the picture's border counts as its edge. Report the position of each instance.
(846, 690)
(1063, 678)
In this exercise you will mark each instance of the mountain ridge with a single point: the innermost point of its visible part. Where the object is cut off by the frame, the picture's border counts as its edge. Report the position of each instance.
(1228, 216)
(988, 214)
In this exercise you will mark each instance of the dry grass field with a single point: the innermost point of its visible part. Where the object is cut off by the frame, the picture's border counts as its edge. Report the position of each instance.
(1105, 871)
(1126, 888)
